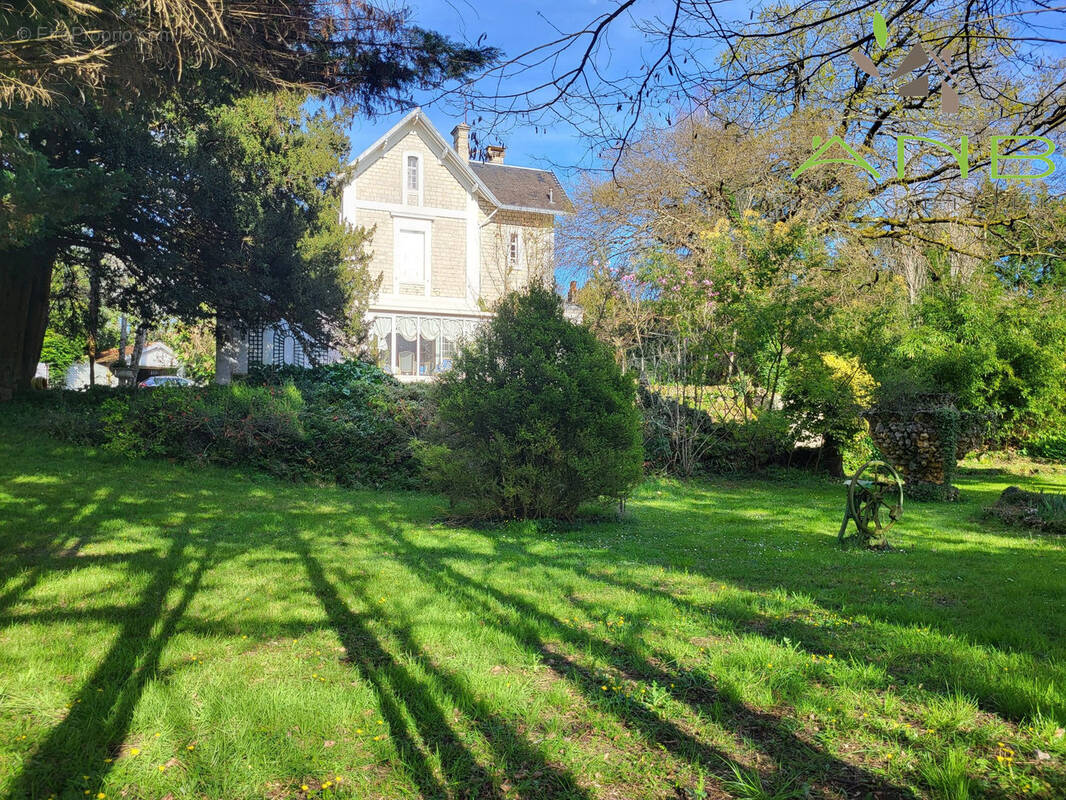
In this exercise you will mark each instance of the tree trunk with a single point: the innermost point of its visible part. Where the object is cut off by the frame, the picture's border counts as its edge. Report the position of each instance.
(226, 352)
(94, 323)
(123, 337)
(25, 288)
(135, 356)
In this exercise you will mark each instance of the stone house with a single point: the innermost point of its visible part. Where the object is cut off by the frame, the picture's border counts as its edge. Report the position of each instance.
(450, 237)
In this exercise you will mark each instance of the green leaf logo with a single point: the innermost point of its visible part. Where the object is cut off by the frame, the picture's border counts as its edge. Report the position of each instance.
(880, 29)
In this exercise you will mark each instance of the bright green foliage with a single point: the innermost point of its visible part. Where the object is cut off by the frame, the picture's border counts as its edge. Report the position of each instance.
(536, 417)
(59, 352)
(880, 29)
(827, 395)
(995, 351)
(252, 637)
(1051, 446)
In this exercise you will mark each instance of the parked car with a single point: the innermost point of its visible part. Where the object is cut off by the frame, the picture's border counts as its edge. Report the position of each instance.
(169, 381)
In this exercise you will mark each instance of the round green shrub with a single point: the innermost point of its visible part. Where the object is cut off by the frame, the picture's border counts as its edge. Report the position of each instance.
(534, 419)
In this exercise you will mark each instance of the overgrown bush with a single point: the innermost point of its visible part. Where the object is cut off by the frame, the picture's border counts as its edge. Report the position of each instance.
(344, 423)
(766, 438)
(826, 396)
(749, 446)
(535, 417)
(1050, 446)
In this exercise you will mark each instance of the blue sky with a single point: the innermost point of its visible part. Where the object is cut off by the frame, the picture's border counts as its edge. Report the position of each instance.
(515, 26)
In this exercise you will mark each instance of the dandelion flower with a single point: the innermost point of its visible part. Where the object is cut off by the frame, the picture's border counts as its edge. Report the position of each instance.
(134, 751)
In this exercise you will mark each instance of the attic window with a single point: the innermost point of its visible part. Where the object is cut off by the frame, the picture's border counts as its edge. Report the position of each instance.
(551, 195)
(412, 173)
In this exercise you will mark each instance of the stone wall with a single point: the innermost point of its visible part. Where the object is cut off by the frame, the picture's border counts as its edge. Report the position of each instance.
(913, 443)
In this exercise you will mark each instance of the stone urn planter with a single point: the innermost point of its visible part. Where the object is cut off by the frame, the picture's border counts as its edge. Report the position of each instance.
(924, 440)
(125, 375)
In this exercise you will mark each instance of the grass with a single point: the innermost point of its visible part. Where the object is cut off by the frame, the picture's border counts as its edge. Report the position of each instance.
(168, 632)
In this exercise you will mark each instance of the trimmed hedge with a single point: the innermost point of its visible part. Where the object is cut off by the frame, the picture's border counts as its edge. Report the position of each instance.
(535, 418)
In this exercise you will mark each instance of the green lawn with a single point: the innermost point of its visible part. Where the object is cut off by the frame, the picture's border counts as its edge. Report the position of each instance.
(172, 632)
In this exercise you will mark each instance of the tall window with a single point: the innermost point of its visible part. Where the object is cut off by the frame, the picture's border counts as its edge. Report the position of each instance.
(411, 257)
(412, 173)
(512, 249)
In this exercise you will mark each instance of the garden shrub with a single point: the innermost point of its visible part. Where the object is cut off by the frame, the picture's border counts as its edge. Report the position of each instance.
(729, 446)
(826, 396)
(340, 422)
(749, 446)
(357, 418)
(1051, 446)
(535, 417)
(74, 417)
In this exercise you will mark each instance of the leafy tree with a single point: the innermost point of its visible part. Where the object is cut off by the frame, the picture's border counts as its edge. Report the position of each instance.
(59, 352)
(996, 351)
(536, 417)
(194, 346)
(143, 180)
(826, 395)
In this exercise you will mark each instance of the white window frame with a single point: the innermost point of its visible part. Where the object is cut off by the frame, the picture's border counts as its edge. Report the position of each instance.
(394, 355)
(423, 226)
(514, 245)
(406, 192)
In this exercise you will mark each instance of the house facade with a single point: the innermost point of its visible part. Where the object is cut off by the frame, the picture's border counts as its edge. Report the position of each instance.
(450, 237)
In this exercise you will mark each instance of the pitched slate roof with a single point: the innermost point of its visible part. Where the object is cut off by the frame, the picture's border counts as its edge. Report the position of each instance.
(524, 187)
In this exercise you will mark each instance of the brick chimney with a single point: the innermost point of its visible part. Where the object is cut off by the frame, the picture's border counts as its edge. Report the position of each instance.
(495, 153)
(461, 140)
(571, 295)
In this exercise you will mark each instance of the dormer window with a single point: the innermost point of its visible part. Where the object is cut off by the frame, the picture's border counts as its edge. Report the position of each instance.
(412, 179)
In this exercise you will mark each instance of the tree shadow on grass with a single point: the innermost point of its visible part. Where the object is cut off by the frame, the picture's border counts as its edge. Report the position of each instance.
(938, 663)
(400, 694)
(99, 718)
(43, 553)
(522, 621)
